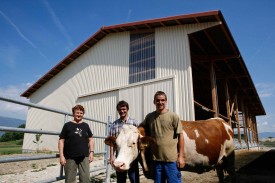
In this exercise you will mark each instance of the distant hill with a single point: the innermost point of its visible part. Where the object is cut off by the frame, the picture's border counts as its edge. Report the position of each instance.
(266, 135)
(10, 122)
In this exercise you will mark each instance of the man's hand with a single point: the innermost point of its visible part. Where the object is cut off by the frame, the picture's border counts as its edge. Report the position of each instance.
(180, 162)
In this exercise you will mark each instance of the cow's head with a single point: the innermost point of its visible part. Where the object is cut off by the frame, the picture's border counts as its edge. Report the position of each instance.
(129, 143)
(127, 146)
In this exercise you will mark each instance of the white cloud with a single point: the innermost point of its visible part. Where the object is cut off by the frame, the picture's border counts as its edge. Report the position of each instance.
(266, 92)
(266, 123)
(13, 110)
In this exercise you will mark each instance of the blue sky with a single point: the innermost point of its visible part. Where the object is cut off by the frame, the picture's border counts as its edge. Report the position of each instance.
(35, 35)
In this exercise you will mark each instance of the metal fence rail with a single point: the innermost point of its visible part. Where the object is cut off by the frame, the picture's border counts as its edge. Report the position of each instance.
(46, 108)
(40, 157)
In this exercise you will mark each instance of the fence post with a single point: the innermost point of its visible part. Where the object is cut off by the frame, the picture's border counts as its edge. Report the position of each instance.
(107, 154)
(61, 166)
(61, 172)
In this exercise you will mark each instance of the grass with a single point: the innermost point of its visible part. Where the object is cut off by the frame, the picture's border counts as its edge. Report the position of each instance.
(34, 166)
(49, 165)
(10, 147)
(268, 144)
(38, 170)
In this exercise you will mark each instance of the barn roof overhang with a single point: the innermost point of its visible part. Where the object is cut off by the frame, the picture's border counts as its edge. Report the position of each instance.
(215, 44)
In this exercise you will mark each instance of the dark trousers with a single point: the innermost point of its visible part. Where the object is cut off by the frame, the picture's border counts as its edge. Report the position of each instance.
(133, 174)
(71, 166)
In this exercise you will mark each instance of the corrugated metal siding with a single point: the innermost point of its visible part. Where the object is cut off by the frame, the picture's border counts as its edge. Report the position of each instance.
(140, 98)
(133, 96)
(102, 67)
(97, 108)
(150, 90)
(46, 121)
(173, 58)
(108, 64)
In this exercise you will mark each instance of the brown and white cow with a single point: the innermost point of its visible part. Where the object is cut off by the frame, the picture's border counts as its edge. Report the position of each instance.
(208, 144)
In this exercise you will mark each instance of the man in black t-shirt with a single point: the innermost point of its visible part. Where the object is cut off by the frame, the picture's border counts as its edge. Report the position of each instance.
(76, 147)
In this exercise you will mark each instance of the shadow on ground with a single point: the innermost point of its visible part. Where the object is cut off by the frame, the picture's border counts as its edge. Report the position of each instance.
(260, 170)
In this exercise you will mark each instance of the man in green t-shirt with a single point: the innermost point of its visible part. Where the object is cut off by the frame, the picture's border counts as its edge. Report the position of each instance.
(167, 151)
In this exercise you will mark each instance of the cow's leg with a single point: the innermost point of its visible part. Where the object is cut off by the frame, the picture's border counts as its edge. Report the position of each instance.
(220, 172)
(230, 166)
(227, 164)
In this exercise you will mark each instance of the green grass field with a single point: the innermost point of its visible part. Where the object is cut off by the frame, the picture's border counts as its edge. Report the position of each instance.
(268, 144)
(10, 147)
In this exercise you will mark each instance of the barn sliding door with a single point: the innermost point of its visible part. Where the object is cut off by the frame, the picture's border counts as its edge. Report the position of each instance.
(149, 91)
(140, 97)
(133, 95)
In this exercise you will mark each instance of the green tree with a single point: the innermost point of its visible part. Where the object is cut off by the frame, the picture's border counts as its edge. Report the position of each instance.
(11, 136)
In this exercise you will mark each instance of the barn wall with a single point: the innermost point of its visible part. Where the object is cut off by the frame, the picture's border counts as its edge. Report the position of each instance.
(101, 67)
(140, 99)
(134, 96)
(97, 108)
(139, 96)
(166, 85)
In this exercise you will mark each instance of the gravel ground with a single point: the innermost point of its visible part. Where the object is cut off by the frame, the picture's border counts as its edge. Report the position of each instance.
(39, 170)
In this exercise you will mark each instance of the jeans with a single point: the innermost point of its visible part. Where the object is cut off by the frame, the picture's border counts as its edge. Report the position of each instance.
(167, 170)
(133, 174)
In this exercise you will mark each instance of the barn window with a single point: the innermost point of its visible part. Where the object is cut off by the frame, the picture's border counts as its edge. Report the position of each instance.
(142, 57)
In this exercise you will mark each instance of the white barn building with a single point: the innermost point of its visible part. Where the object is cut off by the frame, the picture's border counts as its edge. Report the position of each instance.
(193, 58)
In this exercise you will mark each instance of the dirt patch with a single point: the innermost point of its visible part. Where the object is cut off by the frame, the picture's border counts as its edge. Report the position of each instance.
(251, 166)
(23, 166)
